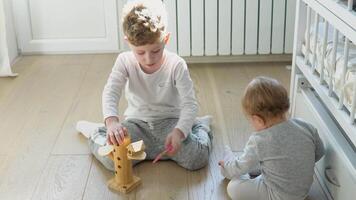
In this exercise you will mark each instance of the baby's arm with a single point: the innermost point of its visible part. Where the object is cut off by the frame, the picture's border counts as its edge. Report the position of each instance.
(189, 105)
(319, 146)
(242, 164)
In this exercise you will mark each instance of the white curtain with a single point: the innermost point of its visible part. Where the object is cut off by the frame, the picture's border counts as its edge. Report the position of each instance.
(5, 68)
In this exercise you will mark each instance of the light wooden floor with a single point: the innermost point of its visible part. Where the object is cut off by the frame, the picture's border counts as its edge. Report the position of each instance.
(43, 157)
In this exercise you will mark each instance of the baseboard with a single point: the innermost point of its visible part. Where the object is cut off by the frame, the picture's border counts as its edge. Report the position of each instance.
(200, 59)
(239, 58)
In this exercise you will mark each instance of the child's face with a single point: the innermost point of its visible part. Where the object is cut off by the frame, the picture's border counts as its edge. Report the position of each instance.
(149, 56)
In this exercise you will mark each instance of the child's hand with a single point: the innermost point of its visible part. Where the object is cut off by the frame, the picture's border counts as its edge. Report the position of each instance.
(115, 131)
(221, 163)
(174, 140)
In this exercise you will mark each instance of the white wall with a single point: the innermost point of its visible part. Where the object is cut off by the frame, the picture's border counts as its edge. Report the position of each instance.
(10, 31)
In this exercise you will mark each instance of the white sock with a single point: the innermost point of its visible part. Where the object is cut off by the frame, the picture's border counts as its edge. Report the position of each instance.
(88, 128)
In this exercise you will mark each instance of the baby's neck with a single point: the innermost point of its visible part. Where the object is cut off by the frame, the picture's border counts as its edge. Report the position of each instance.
(276, 120)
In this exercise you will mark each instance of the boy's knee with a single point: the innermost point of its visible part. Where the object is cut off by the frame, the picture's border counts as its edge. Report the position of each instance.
(197, 162)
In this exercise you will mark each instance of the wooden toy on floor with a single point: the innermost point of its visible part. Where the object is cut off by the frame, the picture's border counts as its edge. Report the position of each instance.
(124, 180)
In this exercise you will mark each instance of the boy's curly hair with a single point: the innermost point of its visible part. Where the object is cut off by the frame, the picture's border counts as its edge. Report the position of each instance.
(266, 98)
(144, 21)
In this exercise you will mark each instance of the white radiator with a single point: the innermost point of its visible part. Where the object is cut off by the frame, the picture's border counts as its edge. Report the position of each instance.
(231, 27)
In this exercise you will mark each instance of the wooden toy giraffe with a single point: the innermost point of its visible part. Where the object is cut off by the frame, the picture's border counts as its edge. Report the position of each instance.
(124, 180)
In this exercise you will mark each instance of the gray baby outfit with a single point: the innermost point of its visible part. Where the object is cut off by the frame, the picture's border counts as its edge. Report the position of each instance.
(285, 154)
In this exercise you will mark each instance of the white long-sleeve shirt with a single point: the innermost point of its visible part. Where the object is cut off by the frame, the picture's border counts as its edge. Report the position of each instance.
(166, 93)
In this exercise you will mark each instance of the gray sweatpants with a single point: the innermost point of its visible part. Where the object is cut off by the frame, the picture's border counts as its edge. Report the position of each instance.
(194, 152)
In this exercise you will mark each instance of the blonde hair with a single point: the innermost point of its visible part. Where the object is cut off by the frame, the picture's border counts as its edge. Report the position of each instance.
(266, 98)
(144, 21)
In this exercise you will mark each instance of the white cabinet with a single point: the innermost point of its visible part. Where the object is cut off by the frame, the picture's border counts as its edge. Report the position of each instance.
(57, 26)
(336, 170)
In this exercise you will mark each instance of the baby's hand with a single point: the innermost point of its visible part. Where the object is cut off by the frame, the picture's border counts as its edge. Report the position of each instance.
(115, 132)
(174, 140)
(221, 163)
(228, 154)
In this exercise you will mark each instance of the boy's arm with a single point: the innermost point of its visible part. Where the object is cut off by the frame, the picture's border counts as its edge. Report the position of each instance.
(242, 164)
(113, 88)
(189, 105)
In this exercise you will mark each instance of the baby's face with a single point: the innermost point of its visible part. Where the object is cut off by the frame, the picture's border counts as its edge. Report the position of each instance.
(149, 56)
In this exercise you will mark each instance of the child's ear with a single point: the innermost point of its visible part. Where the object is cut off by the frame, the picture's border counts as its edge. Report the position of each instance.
(166, 38)
(258, 120)
(127, 42)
